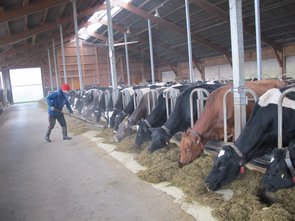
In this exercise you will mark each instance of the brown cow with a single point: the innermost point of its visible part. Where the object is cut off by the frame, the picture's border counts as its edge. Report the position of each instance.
(210, 123)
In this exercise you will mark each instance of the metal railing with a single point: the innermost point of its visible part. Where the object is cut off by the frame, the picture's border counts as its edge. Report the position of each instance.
(280, 117)
(202, 97)
(247, 90)
(170, 95)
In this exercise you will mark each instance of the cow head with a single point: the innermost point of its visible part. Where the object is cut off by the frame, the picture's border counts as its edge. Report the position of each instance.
(143, 134)
(118, 120)
(124, 130)
(159, 139)
(278, 175)
(190, 147)
(226, 167)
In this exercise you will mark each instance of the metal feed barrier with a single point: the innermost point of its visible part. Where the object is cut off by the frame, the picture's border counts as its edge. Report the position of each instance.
(247, 90)
(137, 96)
(280, 117)
(153, 95)
(202, 97)
(170, 95)
(126, 97)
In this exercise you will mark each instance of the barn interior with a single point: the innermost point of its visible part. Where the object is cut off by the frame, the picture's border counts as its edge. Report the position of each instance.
(98, 43)
(30, 29)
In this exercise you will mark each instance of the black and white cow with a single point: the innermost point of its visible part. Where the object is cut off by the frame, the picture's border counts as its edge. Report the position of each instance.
(280, 173)
(141, 111)
(258, 137)
(180, 118)
(118, 107)
(156, 118)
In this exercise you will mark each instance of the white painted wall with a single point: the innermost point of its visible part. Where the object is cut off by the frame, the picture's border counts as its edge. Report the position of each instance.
(168, 76)
(290, 66)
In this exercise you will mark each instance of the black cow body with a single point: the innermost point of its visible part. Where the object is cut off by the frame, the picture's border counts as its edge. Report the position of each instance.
(180, 118)
(155, 119)
(278, 174)
(258, 137)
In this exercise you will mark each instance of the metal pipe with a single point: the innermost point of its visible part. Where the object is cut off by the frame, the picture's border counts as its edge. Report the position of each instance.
(127, 59)
(237, 45)
(255, 97)
(280, 117)
(151, 51)
(63, 53)
(78, 45)
(111, 46)
(258, 38)
(200, 105)
(49, 66)
(172, 94)
(189, 41)
(55, 63)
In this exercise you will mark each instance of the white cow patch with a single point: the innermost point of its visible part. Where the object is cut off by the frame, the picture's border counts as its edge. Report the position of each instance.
(221, 153)
(272, 97)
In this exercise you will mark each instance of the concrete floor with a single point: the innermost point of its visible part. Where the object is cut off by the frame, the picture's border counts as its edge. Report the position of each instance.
(69, 180)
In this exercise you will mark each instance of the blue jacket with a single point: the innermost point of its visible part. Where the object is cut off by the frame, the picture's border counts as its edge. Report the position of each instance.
(57, 99)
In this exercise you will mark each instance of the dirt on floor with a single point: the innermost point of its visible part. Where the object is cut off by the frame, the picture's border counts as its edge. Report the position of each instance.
(162, 165)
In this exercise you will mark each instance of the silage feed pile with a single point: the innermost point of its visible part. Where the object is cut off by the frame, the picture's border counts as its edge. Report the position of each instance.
(162, 165)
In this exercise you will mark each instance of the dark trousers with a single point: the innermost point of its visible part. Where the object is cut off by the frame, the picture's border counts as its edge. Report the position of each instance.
(60, 118)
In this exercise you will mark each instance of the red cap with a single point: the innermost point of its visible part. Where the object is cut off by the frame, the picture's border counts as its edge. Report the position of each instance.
(65, 87)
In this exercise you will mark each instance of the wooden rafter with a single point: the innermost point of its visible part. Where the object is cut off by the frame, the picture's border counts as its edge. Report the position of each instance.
(29, 9)
(43, 28)
(47, 26)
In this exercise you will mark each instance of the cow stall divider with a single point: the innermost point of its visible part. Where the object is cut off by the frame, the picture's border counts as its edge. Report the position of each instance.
(202, 97)
(126, 97)
(153, 95)
(280, 131)
(137, 96)
(247, 90)
(170, 95)
(280, 117)
(115, 96)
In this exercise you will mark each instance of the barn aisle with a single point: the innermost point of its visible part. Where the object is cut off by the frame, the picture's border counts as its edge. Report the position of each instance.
(68, 180)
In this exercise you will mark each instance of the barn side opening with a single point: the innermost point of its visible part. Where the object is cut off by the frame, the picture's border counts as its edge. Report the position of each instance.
(26, 85)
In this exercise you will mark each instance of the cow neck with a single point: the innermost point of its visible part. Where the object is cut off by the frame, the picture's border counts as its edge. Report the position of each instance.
(201, 129)
(289, 164)
(174, 123)
(242, 160)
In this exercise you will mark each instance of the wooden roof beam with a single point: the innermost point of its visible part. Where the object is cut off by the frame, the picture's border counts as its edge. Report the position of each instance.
(48, 26)
(29, 9)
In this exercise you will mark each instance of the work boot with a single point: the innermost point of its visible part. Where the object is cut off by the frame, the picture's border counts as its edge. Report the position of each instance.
(48, 134)
(65, 134)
